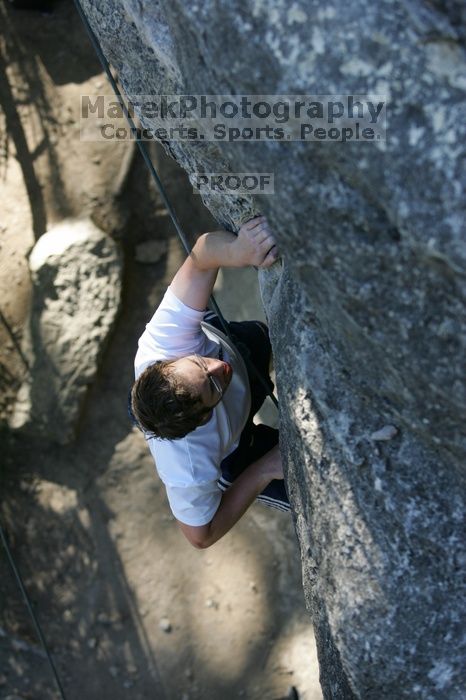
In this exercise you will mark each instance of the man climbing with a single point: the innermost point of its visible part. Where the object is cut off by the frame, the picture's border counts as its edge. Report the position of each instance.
(195, 401)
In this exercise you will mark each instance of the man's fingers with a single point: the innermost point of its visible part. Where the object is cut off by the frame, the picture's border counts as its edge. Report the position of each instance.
(263, 234)
(271, 257)
(258, 243)
(261, 226)
(252, 223)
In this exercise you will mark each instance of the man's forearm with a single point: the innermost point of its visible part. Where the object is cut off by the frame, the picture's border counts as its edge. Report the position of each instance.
(254, 245)
(237, 499)
(213, 250)
(194, 281)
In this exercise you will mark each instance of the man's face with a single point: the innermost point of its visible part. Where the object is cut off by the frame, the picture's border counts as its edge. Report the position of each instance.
(207, 377)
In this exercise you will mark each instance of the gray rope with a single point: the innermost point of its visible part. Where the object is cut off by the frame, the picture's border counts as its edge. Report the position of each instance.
(31, 611)
(213, 303)
(158, 182)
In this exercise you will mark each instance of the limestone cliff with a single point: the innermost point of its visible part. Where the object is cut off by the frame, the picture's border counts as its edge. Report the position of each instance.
(366, 310)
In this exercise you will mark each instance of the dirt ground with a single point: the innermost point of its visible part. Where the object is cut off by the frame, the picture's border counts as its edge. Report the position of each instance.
(128, 607)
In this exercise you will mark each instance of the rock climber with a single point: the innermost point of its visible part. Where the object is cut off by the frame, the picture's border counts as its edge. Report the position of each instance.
(195, 401)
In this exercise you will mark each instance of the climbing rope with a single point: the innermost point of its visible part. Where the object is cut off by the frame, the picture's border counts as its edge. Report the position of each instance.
(31, 611)
(213, 304)
(147, 159)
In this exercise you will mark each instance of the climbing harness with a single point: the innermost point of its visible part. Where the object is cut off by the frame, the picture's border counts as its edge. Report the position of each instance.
(147, 159)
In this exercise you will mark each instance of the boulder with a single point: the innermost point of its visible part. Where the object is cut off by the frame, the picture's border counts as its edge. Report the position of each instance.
(366, 310)
(76, 275)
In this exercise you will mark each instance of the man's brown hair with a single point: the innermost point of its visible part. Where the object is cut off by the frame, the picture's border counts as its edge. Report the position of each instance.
(163, 406)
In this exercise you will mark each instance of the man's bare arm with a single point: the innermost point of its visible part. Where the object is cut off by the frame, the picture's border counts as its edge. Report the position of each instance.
(236, 500)
(254, 245)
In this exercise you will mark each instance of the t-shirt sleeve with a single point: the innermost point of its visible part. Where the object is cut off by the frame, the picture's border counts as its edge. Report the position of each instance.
(173, 331)
(196, 504)
(189, 472)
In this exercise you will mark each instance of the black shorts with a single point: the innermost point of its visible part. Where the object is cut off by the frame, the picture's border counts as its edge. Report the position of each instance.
(252, 340)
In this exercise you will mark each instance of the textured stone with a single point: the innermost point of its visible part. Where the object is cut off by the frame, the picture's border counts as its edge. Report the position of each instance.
(76, 274)
(366, 310)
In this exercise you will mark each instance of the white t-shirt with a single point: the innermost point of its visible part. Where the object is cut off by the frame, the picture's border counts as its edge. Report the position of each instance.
(190, 466)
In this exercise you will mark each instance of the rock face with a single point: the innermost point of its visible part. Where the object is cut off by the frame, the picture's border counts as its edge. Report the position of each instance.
(76, 274)
(366, 311)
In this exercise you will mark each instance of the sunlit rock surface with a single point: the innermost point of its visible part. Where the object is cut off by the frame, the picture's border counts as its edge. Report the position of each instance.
(76, 275)
(366, 312)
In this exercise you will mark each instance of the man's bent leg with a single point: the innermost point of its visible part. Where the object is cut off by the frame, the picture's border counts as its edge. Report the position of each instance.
(256, 441)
